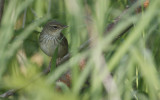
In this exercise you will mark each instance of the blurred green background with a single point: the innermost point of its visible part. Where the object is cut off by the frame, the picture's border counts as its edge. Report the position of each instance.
(126, 69)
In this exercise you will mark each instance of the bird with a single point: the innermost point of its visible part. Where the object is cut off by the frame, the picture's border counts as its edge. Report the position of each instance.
(51, 38)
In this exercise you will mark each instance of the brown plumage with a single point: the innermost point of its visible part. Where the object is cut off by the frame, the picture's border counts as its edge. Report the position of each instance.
(51, 38)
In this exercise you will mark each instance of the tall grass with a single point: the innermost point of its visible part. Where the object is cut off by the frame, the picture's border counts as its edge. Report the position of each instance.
(126, 69)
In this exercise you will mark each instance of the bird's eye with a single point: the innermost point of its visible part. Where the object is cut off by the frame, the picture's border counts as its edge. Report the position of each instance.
(55, 27)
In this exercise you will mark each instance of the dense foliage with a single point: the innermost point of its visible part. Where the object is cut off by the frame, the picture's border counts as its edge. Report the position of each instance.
(109, 68)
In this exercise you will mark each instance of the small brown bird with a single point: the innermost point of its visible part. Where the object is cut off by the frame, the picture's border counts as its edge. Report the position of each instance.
(51, 37)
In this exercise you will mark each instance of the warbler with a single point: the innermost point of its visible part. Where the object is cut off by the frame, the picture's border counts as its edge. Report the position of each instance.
(51, 38)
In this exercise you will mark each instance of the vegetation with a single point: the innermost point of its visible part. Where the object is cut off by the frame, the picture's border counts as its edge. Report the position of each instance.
(109, 68)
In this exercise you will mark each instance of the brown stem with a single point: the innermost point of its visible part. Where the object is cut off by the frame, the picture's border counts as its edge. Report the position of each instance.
(8, 93)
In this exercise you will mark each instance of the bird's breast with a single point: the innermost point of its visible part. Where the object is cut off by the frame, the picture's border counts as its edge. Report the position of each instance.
(48, 44)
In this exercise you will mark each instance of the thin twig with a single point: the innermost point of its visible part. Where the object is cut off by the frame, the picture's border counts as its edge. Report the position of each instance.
(8, 93)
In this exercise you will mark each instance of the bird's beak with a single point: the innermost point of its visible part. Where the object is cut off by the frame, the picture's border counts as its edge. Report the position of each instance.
(65, 26)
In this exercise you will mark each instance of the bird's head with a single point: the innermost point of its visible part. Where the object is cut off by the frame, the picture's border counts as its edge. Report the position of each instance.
(54, 28)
